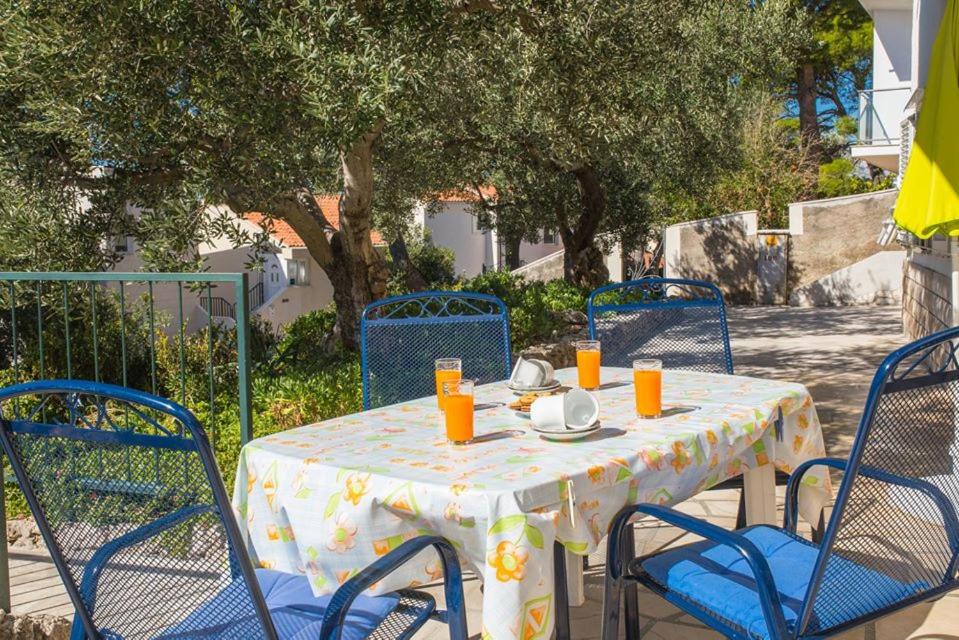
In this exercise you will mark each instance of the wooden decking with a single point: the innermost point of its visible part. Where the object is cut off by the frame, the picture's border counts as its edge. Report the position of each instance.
(35, 585)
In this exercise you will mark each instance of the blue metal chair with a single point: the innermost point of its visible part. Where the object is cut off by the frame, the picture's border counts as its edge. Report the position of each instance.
(401, 338)
(127, 496)
(681, 322)
(892, 540)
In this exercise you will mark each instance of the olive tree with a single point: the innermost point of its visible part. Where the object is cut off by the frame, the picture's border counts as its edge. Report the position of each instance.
(174, 105)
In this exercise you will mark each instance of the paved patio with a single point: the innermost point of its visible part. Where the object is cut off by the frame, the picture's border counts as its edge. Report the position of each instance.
(834, 352)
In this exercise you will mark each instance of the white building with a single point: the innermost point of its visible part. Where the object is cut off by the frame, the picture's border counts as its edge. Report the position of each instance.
(290, 284)
(452, 224)
(903, 35)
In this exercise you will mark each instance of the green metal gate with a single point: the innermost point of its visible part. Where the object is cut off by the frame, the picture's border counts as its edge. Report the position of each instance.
(68, 325)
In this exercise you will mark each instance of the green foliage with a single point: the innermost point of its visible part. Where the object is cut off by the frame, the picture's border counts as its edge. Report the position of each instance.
(436, 266)
(846, 126)
(839, 178)
(840, 49)
(535, 308)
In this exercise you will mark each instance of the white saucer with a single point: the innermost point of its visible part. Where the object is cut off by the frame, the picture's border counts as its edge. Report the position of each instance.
(567, 435)
(521, 390)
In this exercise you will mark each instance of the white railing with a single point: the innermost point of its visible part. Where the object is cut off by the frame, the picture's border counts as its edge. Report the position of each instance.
(880, 115)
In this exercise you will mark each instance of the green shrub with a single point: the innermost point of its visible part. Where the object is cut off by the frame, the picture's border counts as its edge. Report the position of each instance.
(535, 308)
(437, 266)
(839, 178)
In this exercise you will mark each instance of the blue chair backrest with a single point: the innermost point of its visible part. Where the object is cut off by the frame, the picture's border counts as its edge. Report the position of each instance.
(681, 322)
(402, 337)
(129, 501)
(895, 511)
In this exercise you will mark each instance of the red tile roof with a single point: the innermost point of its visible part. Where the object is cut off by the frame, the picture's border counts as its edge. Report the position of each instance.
(467, 195)
(283, 233)
(281, 230)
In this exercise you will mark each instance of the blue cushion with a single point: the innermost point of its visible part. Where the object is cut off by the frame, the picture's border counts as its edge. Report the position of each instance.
(297, 614)
(718, 579)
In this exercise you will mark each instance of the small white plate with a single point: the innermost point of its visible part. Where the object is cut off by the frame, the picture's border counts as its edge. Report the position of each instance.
(521, 390)
(521, 414)
(567, 434)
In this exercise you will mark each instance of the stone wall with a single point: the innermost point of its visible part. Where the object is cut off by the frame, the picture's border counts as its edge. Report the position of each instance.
(33, 627)
(721, 250)
(545, 269)
(926, 300)
(824, 240)
(829, 235)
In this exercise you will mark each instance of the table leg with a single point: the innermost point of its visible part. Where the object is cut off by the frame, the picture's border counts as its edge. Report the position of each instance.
(560, 594)
(574, 580)
(759, 487)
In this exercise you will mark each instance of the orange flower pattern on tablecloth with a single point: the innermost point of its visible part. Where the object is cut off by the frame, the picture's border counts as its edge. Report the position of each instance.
(326, 500)
(356, 487)
(681, 458)
(509, 560)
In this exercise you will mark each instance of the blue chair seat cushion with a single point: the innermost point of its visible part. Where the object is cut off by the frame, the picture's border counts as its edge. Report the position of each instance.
(297, 614)
(717, 579)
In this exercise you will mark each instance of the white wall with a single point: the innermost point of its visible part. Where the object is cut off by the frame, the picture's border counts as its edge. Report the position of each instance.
(891, 74)
(926, 18)
(892, 42)
(453, 227)
(289, 302)
(529, 252)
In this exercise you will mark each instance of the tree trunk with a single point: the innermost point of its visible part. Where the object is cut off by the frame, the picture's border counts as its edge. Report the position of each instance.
(511, 246)
(583, 263)
(358, 272)
(808, 113)
(355, 268)
(401, 261)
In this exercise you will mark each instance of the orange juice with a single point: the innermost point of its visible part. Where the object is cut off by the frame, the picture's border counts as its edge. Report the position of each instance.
(587, 365)
(649, 392)
(459, 418)
(445, 375)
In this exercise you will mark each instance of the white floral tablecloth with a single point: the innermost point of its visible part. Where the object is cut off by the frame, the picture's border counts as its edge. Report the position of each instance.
(327, 499)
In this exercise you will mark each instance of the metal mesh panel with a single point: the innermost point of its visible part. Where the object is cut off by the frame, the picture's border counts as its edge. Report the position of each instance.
(682, 323)
(116, 491)
(403, 337)
(893, 524)
(412, 610)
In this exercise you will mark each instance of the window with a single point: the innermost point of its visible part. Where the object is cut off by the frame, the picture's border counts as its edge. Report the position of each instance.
(474, 224)
(121, 244)
(298, 272)
(549, 236)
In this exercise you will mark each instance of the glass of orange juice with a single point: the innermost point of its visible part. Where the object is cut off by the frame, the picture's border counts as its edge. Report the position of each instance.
(587, 363)
(459, 411)
(447, 370)
(648, 382)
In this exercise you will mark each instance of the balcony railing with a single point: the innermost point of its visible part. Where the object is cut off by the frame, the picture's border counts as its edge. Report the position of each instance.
(880, 115)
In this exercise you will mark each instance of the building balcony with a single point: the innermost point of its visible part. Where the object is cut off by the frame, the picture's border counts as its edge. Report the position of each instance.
(881, 112)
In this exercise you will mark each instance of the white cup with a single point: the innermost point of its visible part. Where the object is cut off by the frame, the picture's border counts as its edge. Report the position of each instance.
(547, 371)
(530, 373)
(575, 409)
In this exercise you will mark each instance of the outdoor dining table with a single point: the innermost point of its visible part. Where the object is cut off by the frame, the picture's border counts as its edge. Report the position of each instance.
(327, 499)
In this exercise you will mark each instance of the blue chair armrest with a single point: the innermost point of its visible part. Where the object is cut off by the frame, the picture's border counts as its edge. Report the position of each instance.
(335, 617)
(91, 574)
(768, 594)
(936, 494)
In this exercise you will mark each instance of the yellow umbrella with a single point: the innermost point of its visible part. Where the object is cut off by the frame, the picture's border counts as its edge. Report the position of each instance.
(928, 202)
